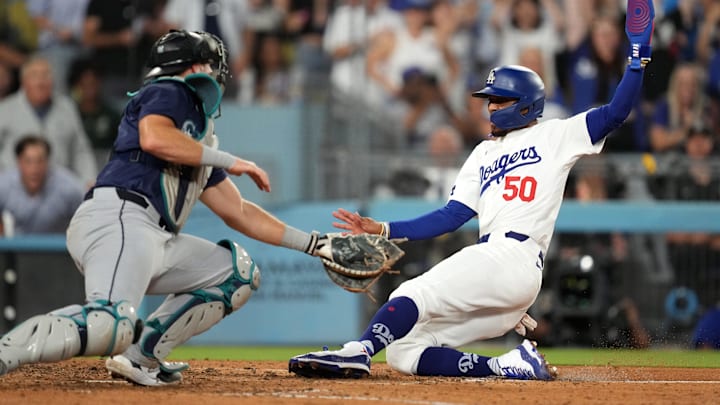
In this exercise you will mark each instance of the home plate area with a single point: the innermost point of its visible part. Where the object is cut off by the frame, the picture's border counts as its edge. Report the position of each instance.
(81, 381)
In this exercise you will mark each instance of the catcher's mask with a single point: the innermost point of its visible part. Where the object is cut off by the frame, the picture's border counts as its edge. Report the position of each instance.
(179, 49)
(516, 82)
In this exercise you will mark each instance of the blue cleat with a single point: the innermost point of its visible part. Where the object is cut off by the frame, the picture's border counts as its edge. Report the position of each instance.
(352, 361)
(523, 363)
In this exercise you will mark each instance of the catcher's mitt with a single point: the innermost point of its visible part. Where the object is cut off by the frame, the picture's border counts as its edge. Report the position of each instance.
(356, 262)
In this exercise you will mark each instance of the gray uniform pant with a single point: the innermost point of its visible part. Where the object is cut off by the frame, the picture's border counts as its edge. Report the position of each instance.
(124, 254)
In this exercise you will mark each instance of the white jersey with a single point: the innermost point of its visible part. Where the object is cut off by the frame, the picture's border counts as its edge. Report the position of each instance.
(516, 182)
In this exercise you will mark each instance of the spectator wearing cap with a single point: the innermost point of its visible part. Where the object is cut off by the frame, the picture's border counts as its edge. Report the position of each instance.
(36, 109)
(423, 108)
(41, 198)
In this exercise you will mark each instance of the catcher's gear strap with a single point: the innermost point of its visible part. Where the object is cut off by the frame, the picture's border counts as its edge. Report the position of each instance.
(98, 328)
(199, 310)
(243, 265)
(181, 189)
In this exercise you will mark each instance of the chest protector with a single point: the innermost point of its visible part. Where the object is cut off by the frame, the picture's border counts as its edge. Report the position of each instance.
(181, 184)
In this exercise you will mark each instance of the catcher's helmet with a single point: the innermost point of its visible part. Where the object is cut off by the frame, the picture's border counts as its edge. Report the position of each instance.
(519, 83)
(179, 49)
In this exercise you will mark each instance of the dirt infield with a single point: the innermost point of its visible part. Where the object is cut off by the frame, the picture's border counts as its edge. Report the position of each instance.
(85, 381)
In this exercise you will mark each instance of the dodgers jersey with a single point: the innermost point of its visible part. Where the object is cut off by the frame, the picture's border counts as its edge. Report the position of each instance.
(171, 188)
(516, 182)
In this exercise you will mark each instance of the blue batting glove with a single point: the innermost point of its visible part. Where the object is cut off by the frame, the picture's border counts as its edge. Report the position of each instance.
(639, 26)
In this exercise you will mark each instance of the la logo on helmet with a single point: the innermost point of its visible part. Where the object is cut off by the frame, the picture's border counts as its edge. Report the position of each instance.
(491, 77)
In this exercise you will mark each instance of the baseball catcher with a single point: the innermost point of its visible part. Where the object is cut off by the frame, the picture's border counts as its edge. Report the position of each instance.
(126, 236)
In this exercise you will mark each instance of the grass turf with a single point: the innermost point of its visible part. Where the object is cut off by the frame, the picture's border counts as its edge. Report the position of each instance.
(556, 356)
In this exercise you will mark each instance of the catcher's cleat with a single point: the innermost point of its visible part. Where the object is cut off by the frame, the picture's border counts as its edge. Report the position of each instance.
(120, 366)
(523, 363)
(352, 361)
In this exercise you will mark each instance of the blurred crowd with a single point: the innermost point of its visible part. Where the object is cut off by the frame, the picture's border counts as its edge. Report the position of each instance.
(410, 65)
(415, 62)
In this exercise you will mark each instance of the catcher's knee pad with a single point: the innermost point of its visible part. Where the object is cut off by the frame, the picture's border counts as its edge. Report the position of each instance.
(99, 328)
(203, 308)
(404, 356)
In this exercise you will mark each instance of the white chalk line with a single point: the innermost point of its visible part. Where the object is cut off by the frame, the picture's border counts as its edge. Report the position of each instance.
(575, 380)
(298, 395)
(650, 381)
(481, 380)
(106, 382)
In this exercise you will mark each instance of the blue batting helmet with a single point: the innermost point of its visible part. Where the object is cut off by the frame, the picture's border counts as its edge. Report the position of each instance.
(516, 82)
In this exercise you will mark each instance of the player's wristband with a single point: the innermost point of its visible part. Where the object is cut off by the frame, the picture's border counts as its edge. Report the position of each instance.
(216, 158)
(639, 56)
(294, 238)
(385, 229)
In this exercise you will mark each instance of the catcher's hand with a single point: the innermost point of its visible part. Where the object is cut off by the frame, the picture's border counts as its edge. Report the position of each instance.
(356, 262)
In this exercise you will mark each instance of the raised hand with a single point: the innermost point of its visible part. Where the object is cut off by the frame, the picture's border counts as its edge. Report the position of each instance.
(356, 223)
(257, 174)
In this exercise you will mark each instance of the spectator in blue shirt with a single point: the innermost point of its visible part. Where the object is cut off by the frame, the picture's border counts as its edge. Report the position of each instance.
(39, 197)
